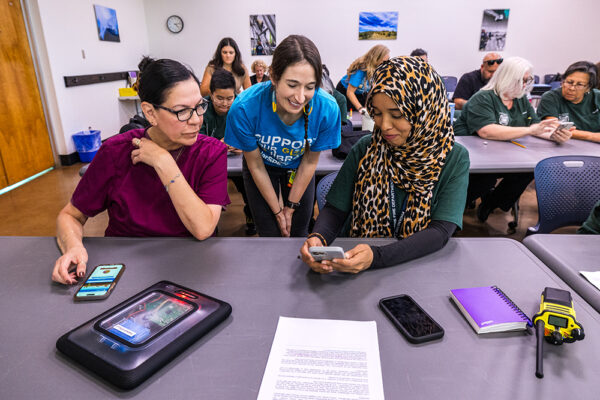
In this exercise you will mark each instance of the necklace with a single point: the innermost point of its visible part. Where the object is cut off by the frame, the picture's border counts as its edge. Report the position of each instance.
(178, 153)
(176, 157)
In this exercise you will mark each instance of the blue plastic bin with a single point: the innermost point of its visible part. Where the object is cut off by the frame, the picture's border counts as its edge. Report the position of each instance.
(87, 144)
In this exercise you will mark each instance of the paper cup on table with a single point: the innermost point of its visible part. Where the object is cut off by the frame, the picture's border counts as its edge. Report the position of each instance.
(367, 123)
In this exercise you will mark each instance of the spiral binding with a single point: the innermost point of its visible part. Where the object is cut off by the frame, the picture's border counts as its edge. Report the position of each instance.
(512, 305)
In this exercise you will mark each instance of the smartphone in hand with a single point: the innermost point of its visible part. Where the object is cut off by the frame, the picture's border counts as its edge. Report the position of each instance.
(410, 319)
(320, 253)
(564, 125)
(101, 282)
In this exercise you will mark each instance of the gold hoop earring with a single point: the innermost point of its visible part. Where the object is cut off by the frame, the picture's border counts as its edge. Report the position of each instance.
(309, 111)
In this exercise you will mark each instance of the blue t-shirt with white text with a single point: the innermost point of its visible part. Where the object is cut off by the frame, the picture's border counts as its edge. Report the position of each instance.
(252, 124)
(359, 80)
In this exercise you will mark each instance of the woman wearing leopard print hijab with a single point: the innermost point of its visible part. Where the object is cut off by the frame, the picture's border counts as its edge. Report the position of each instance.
(407, 180)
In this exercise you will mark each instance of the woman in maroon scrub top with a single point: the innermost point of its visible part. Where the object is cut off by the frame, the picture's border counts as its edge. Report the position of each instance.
(166, 180)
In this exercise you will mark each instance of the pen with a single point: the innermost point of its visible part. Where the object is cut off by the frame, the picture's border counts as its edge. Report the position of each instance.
(518, 144)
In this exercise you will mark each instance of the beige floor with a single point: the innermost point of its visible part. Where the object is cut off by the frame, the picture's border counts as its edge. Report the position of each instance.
(31, 209)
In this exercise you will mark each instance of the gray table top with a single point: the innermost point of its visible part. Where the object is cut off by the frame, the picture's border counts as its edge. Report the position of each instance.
(263, 279)
(327, 164)
(566, 255)
(490, 156)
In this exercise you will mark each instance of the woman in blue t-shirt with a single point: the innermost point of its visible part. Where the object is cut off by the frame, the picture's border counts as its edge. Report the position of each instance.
(356, 83)
(281, 126)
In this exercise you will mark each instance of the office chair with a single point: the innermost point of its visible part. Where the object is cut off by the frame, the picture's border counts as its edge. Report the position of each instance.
(450, 83)
(323, 188)
(567, 187)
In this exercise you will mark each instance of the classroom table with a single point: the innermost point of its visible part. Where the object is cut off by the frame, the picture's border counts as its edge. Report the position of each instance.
(262, 279)
(493, 156)
(566, 255)
(327, 164)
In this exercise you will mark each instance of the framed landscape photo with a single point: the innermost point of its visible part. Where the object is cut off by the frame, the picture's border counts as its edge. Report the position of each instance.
(378, 25)
(106, 20)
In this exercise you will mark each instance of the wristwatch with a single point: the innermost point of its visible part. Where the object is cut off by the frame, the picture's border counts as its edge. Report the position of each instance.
(292, 205)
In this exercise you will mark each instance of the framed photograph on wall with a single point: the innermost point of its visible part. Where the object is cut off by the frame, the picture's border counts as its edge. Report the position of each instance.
(262, 34)
(378, 25)
(106, 20)
(493, 30)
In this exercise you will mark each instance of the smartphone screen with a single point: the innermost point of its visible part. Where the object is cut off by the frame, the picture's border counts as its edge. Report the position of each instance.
(100, 282)
(411, 319)
(147, 317)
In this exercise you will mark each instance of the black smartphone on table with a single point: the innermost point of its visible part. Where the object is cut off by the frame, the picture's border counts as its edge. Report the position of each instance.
(411, 320)
(100, 283)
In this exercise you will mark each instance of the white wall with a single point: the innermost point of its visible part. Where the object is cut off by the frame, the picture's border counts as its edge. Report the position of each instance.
(550, 33)
(67, 28)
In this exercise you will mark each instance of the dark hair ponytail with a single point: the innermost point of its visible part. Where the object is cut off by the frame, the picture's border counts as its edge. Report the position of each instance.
(294, 49)
(158, 76)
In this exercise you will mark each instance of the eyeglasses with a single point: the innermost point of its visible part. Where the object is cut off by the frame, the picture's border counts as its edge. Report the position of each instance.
(528, 81)
(223, 100)
(186, 113)
(576, 86)
(491, 62)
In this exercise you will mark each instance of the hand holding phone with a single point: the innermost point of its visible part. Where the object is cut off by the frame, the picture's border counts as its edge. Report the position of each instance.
(564, 125)
(100, 283)
(562, 133)
(410, 319)
(320, 253)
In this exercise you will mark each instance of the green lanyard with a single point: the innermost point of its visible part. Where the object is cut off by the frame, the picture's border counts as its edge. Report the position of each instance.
(397, 222)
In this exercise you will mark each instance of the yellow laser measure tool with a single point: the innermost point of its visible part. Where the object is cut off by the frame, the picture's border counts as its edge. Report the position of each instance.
(555, 322)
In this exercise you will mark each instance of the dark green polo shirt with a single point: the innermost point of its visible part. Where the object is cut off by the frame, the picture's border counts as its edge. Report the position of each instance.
(449, 193)
(592, 224)
(213, 124)
(486, 107)
(585, 115)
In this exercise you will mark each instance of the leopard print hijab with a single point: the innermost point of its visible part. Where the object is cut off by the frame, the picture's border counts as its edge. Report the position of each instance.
(415, 167)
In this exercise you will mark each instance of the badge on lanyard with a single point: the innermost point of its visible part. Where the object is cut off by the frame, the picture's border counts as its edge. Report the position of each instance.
(503, 119)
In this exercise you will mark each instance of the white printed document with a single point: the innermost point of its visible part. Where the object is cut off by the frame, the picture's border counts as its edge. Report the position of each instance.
(323, 359)
(593, 277)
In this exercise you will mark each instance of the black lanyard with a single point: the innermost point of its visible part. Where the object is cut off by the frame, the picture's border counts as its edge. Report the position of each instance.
(397, 221)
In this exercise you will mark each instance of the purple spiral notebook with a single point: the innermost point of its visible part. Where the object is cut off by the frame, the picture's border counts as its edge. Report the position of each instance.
(488, 309)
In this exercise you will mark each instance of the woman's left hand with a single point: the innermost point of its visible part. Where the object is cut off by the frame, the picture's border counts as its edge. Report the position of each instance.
(288, 213)
(357, 259)
(147, 152)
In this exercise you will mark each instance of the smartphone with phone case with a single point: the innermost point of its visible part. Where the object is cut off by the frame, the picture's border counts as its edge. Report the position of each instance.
(101, 282)
(565, 125)
(320, 253)
(411, 320)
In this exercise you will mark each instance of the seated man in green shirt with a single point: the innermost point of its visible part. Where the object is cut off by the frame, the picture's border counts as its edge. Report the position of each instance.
(222, 94)
(501, 111)
(408, 180)
(576, 101)
(592, 224)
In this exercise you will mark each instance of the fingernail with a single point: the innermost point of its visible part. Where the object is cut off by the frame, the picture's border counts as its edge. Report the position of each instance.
(80, 274)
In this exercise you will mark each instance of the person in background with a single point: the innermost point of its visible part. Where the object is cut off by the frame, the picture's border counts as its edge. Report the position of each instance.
(576, 101)
(282, 126)
(327, 85)
(259, 68)
(355, 84)
(591, 225)
(422, 54)
(598, 81)
(227, 56)
(471, 82)
(166, 180)
(222, 94)
(408, 180)
(501, 111)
